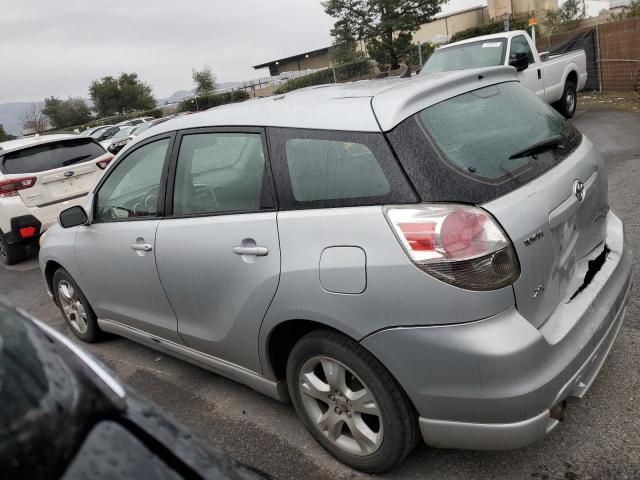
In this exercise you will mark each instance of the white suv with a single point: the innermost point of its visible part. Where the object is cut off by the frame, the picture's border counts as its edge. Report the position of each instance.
(39, 177)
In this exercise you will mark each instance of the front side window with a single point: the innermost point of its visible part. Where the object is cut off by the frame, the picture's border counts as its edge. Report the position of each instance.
(220, 172)
(132, 188)
(322, 168)
(519, 44)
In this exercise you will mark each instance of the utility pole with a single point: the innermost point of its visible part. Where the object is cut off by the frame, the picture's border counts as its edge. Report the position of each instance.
(420, 52)
(506, 21)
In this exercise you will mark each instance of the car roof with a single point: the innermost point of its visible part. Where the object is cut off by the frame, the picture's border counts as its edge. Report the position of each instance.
(365, 106)
(19, 143)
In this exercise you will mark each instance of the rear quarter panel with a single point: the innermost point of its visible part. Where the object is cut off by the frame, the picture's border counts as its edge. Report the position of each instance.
(558, 68)
(396, 292)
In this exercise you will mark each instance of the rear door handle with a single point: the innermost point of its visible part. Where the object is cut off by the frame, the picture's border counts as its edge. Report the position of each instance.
(141, 247)
(539, 74)
(257, 251)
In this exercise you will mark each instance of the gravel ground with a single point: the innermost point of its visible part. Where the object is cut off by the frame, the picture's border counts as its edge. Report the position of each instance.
(599, 439)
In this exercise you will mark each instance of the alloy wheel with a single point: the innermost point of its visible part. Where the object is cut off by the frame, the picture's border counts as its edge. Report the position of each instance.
(72, 306)
(570, 99)
(341, 406)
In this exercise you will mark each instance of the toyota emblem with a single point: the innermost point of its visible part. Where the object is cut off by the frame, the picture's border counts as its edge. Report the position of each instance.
(69, 174)
(578, 190)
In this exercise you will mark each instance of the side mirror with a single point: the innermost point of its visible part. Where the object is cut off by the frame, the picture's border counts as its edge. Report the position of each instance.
(520, 62)
(73, 217)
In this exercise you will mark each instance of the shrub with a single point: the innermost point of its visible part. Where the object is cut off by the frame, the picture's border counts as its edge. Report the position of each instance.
(343, 73)
(215, 100)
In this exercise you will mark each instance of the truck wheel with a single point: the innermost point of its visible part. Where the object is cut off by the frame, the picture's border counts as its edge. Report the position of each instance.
(350, 403)
(75, 308)
(567, 104)
(10, 254)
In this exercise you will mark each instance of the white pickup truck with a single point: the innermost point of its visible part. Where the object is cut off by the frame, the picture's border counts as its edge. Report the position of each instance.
(554, 78)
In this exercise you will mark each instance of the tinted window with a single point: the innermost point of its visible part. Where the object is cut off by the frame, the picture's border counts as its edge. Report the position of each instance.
(329, 170)
(52, 155)
(318, 168)
(460, 149)
(489, 53)
(132, 188)
(220, 172)
(519, 44)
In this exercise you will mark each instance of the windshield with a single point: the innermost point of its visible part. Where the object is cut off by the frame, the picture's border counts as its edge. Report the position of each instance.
(487, 53)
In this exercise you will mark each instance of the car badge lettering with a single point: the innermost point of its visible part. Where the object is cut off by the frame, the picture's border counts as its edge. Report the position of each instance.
(578, 190)
(600, 215)
(69, 174)
(533, 238)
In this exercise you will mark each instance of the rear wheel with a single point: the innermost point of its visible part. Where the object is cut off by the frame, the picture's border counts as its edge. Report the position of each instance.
(11, 254)
(567, 104)
(350, 403)
(75, 308)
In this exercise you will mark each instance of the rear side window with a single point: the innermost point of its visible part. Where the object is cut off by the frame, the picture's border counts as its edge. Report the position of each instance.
(50, 156)
(324, 169)
(466, 148)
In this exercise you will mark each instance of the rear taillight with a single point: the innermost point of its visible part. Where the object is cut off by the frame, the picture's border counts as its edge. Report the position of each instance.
(26, 232)
(104, 161)
(458, 244)
(10, 188)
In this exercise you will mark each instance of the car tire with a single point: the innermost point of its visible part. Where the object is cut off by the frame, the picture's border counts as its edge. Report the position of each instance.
(75, 308)
(11, 254)
(569, 101)
(332, 406)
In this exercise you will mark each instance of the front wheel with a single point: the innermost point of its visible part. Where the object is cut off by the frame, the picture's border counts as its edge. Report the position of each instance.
(350, 403)
(75, 308)
(569, 101)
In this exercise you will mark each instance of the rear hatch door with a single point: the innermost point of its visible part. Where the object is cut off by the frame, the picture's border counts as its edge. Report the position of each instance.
(63, 169)
(477, 148)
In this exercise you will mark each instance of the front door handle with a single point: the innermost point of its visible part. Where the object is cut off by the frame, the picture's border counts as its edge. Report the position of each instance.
(257, 250)
(539, 74)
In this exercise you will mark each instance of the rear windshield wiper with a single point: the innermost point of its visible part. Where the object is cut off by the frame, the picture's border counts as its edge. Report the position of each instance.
(539, 147)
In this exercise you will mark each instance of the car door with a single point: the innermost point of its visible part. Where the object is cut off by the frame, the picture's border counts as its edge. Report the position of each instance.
(218, 253)
(531, 77)
(116, 251)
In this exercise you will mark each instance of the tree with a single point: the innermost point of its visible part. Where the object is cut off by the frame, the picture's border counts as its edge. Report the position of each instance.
(205, 81)
(4, 136)
(120, 95)
(34, 120)
(567, 17)
(66, 113)
(345, 48)
(386, 25)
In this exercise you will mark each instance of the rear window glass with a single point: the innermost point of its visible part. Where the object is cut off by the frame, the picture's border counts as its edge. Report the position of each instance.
(328, 170)
(52, 155)
(470, 148)
(488, 53)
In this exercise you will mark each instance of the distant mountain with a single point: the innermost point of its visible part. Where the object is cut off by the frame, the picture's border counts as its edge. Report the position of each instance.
(11, 116)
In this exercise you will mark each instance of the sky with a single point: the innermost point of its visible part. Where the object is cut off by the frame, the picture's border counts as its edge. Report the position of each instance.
(57, 47)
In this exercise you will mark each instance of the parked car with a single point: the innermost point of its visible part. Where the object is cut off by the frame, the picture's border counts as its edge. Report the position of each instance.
(426, 256)
(39, 177)
(119, 144)
(114, 135)
(95, 132)
(136, 121)
(556, 79)
(65, 416)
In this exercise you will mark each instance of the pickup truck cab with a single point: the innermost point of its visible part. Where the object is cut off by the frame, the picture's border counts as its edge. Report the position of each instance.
(556, 79)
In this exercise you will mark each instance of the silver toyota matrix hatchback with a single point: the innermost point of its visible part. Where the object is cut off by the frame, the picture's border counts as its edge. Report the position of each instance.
(432, 256)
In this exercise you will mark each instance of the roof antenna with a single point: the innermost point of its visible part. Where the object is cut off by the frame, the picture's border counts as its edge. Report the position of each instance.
(480, 77)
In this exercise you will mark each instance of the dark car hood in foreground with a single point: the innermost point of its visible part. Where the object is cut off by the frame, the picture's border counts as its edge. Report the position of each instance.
(63, 416)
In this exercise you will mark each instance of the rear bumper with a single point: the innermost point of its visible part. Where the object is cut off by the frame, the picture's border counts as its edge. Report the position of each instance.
(491, 384)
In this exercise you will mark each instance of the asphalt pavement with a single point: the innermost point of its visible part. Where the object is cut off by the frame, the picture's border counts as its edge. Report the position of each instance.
(599, 439)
